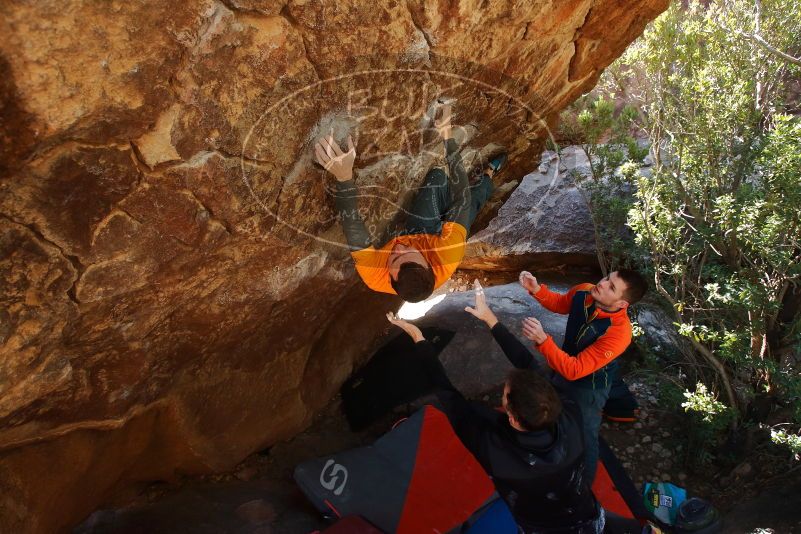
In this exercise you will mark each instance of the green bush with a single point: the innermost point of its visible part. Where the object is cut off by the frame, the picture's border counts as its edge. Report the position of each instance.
(718, 219)
(605, 136)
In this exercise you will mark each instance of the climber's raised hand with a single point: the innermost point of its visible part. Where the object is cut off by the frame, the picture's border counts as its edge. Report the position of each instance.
(406, 326)
(331, 157)
(442, 120)
(481, 310)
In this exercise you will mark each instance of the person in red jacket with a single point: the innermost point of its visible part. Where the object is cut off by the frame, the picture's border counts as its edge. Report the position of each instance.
(598, 331)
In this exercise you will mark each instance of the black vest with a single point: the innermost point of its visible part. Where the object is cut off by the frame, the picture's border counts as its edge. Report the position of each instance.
(582, 330)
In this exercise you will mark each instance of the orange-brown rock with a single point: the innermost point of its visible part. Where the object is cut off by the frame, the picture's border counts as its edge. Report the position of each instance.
(174, 293)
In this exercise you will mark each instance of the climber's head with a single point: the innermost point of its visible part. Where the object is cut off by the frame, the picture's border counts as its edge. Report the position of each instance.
(410, 274)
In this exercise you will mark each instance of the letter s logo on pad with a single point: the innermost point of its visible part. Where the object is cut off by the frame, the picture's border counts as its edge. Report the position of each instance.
(333, 477)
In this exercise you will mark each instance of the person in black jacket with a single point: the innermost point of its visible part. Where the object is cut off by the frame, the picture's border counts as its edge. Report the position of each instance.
(533, 450)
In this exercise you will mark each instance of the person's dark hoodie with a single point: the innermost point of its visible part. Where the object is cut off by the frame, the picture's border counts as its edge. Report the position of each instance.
(538, 473)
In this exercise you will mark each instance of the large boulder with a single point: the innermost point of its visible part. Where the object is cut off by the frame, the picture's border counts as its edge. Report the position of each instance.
(544, 224)
(474, 361)
(175, 293)
(660, 336)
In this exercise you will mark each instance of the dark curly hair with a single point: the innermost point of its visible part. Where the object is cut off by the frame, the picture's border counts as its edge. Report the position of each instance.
(415, 282)
(532, 399)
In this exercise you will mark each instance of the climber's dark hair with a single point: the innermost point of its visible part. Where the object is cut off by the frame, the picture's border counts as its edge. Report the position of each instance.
(636, 286)
(415, 282)
(532, 400)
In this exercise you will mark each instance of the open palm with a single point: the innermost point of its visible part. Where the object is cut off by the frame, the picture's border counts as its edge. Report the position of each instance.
(481, 310)
(334, 159)
(406, 326)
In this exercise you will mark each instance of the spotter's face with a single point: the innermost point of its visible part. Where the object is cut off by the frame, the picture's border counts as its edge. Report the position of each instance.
(608, 292)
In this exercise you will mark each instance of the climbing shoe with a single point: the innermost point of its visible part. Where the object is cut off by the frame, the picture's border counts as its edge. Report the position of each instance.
(622, 409)
(621, 416)
(621, 406)
(495, 165)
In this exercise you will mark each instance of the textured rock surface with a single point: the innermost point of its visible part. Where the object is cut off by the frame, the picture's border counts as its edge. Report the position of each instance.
(475, 363)
(659, 333)
(545, 223)
(172, 293)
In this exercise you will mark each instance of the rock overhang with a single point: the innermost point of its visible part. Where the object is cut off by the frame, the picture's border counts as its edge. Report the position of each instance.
(175, 289)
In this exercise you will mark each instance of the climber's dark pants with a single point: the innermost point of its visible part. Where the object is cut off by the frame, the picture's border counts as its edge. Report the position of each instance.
(433, 200)
(591, 402)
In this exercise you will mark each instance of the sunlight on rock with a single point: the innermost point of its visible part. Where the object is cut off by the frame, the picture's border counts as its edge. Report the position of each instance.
(415, 310)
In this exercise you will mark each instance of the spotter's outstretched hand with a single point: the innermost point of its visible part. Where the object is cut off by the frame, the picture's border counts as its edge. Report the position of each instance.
(481, 310)
(532, 330)
(406, 326)
(529, 282)
(333, 159)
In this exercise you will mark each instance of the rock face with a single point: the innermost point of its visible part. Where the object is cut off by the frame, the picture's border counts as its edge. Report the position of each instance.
(174, 292)
(659, 333)
(474, 361)
(545, 223)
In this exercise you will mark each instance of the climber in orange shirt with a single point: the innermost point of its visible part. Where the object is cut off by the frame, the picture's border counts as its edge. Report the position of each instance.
(598, 331)
(432, 244)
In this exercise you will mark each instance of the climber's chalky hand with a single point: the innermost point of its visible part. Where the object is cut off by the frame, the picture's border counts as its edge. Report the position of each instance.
(443, 123)
(333, 159)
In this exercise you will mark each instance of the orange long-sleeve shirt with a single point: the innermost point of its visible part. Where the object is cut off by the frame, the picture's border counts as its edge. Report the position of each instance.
(443, 253)
(606, 348)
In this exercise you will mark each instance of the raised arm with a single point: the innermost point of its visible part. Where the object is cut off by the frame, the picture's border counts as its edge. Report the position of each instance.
(550, 300)
(346, 201)
(340, 164)
(515, 351)
(605, 349)
(470, 427)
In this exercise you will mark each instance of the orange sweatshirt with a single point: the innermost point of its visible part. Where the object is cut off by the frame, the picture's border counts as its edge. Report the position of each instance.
(443, 253)
(606, 348)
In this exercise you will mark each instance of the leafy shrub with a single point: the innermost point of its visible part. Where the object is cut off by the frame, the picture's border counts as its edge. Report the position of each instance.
(718, 218)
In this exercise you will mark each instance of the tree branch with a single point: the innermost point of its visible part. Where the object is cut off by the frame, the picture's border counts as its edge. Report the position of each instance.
(758, 39)
(706, 353)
